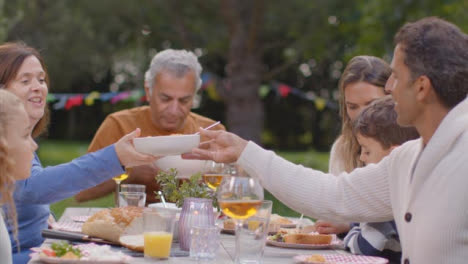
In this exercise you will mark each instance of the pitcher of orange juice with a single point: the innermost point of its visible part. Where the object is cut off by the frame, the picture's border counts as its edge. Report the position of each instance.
(158, 232)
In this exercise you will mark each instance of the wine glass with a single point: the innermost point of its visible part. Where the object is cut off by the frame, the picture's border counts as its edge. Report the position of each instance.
(239, 197)
(118, 179)
(213, 173)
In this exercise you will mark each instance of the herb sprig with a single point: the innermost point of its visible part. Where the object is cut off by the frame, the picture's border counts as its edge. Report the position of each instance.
(173, 191)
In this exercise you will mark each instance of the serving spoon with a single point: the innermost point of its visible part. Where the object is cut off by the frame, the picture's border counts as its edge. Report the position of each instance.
(162, 199)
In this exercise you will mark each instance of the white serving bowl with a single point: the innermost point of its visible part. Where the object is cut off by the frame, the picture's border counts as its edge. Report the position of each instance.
(185, 168)
(170, 207)
(167, 145)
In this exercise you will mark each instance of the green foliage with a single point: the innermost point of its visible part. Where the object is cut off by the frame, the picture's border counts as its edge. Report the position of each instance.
(176, 192)
(310, 158)
(94, 45)
(52, 152)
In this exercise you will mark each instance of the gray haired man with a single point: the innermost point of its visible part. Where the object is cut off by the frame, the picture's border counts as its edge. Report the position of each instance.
(171, 82)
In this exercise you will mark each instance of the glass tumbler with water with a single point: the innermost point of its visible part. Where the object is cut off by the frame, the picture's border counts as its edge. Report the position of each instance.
(204, 242)
(252, 234)
(132, 195)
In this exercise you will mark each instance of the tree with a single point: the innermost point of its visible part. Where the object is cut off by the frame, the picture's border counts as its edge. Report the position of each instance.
(107, 44)
(253, 44)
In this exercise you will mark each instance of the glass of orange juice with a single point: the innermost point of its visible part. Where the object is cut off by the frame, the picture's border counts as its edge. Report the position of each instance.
(158, 231)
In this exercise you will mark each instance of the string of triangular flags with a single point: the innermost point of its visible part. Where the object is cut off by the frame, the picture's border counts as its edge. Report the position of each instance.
(69, 100)
(280, 89)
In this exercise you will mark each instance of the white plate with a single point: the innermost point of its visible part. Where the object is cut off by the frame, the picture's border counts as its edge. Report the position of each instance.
(167, 145)
(342, 259)
(334, 244)
(53, 260)
(119, 258)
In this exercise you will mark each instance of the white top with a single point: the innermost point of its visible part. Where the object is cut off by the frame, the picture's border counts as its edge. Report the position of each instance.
(429, 205)
(5, 246)
(335, 163)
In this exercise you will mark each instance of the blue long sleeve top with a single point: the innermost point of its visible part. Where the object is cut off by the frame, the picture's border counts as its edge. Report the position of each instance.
(375, 239)
(32, 196)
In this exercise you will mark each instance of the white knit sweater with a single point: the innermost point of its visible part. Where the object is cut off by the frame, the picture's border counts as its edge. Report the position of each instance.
(429, 204)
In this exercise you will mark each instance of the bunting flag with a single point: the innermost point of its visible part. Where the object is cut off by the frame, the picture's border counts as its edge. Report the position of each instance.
(89, 100)
(76, 100)
(284, 90)
(119, 97)
(209, 84)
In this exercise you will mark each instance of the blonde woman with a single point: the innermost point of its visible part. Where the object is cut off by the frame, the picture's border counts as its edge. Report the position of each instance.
(362, 81)
(16, 153)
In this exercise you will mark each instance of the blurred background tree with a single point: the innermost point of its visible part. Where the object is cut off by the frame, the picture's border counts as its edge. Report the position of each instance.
(107, 45)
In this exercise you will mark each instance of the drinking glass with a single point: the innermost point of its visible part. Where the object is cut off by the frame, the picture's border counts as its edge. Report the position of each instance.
(204, 242)
(118, 179)
(213, 173)
(251, 235)
(132, 195)
(158, 229)
(239, 197)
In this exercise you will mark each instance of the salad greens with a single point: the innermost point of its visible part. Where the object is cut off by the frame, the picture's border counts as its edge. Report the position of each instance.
(61, 248)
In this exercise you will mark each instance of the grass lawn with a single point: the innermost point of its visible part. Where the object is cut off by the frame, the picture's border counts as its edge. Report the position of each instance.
(55, 152)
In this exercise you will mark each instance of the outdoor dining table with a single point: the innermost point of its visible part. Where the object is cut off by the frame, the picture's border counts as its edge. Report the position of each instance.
(225, 252)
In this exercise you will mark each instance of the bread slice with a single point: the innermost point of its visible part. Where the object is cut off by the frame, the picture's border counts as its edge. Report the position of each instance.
(280, 220)
(133, 242)
(110, 224)
(307, 239)
(229, 224)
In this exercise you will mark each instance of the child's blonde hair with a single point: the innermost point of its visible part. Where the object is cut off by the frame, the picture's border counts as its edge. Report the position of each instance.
(9, 104)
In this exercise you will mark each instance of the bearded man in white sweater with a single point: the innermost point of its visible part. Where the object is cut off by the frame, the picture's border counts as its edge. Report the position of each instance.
(421, 184)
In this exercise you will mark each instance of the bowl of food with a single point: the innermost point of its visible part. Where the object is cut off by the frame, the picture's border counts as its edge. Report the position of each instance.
(169, 207)
(185, 168)
(167, 145)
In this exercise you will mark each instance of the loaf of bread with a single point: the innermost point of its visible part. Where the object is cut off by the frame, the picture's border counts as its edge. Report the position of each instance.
(314, 239)
(110, 224)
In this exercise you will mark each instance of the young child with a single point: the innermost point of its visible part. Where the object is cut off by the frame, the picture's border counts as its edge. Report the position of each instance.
(16, 154)
(378, 133)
